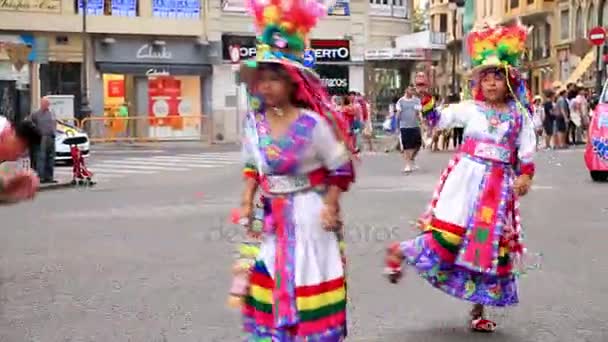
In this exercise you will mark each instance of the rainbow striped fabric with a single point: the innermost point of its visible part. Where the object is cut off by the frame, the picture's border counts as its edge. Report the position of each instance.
(321, 310)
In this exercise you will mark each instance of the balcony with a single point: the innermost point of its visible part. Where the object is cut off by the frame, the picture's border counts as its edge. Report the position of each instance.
(142, 20)
(389, 10)
(536, 10)
(422, 40)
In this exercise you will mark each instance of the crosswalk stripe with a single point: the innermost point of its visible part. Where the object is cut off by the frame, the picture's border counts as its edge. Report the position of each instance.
(120, 166)
(192, 159)
(145, 161)
(68, 174)
(109, 169)
(207, 156)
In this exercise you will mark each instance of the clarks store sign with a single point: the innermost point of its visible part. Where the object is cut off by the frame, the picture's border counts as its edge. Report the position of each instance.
(47, 6)
(145, 52)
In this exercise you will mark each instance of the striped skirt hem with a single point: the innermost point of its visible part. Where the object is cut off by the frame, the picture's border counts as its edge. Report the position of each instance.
(321, 311)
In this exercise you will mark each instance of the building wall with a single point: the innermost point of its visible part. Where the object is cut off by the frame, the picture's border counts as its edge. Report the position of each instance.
(59, 27)
(444, 69)
(64, 18)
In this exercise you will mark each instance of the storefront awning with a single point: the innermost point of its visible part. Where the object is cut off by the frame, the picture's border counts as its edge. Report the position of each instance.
(154, 69)
(582, 67)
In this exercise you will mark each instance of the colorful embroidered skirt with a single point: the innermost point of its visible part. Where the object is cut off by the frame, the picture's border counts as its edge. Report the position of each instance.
(465, 251)
(320, 290)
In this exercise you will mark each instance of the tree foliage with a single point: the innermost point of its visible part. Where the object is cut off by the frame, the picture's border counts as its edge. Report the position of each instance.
(420, 19)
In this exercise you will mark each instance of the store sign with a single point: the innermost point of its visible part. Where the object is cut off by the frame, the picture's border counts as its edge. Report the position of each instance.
(157, 72)
(142, 51)
(245, 44)
(339, 8)
(326, 50)
(47, 6)
(335, 78)
(391, 53)
(116, 88)
(148, 51)
(331, 50)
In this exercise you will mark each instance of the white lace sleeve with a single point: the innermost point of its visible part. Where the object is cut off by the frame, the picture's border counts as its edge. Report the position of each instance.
(457, 114)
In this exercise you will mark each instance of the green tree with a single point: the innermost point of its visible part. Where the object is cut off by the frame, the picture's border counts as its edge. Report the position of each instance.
(420, 19)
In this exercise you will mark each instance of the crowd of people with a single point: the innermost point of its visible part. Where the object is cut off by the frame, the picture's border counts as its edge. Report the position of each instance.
(562, 116)
(357, 111)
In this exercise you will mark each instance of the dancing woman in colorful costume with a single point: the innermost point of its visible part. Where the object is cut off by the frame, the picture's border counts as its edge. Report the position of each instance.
(471, 240)
(297, 156)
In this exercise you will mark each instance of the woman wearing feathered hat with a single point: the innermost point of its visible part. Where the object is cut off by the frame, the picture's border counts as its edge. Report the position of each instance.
(298, 156)
(471, 240)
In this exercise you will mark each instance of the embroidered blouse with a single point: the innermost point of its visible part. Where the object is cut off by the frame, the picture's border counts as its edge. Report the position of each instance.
(512, 129)
(308, 145)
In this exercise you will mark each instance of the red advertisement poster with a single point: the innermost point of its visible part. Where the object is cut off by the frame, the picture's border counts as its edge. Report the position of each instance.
(163, 101)
(116, 88)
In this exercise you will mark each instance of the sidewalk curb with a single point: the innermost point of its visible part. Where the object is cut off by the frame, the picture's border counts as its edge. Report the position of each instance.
(61, 185)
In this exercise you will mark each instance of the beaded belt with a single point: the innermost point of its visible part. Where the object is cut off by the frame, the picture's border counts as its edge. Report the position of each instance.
(489, 151)
(287, 184)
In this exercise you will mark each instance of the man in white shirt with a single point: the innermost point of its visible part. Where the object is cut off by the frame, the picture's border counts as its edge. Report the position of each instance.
(408, 115)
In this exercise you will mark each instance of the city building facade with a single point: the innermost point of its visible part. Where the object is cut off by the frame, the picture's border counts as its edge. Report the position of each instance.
(173, 59)
(558, 47)
(448, 72)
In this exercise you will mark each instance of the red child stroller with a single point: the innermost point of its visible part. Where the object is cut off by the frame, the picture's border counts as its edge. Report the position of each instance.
(80, 174)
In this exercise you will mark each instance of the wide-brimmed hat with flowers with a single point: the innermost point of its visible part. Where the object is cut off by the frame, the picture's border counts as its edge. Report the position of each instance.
(282, 27)
(494, 46)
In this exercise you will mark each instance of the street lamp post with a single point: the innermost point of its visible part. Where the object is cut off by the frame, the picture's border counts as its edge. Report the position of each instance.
(600, 66)
(85, 109)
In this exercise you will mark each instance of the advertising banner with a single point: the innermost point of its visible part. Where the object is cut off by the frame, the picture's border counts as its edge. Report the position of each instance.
(339, 8)
(182, 9)
(335, 78)
(94, 7)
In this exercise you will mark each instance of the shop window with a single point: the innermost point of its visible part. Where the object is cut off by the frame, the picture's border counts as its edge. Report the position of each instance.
(174, 106)
(179, 9)
(124, 8)
(514, 3)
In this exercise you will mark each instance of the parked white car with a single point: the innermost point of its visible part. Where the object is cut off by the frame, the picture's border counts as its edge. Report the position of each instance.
(62, 149)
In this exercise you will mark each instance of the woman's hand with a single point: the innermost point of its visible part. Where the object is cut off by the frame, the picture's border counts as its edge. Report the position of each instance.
(330, 216)
(522, 185)
(247, 211)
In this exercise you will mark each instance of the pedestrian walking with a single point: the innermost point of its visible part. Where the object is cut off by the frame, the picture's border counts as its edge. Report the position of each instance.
(538, 115)
(408, 116)
(471, 236)
(299, 156)
(45, 120)
(550, 120)
(562, 119)
(19, 185)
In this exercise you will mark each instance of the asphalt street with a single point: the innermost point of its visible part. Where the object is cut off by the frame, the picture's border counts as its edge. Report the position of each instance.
(146, 258)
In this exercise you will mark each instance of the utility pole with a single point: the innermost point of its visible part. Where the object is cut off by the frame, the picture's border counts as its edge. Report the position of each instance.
(600, 50)
(85, 110)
